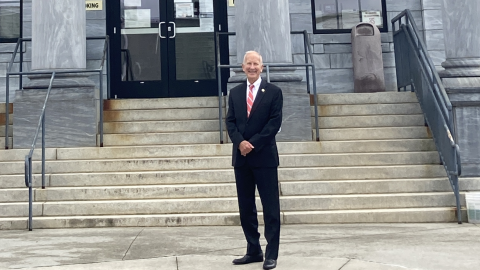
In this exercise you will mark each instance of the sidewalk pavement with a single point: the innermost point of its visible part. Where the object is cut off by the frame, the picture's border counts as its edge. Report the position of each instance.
(304, 247)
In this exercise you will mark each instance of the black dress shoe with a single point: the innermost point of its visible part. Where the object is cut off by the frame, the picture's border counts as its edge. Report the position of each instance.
(269, 264)
(249, 259)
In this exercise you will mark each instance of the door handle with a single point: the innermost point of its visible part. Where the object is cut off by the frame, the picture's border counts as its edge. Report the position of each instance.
(160, 30)
(174, 30)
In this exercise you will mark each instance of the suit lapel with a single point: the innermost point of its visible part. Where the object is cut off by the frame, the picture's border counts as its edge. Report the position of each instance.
(243, 103)
(258, 98)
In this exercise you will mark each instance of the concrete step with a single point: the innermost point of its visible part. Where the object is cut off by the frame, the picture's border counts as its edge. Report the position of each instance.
(163, 138)
(295, 188)
(161, 126)
(230, 205)
(369, 121)
(135, 192)
(3, 108)
(2, 142)
(400, 215)
(368, 109)
(19, 154)
(3, 119)
(367, 98)
(2, 130)
(156, 151)
(220, 190)
(224, 162)
(225, 176)
(162, 115)
(162, 103)
(377, 133)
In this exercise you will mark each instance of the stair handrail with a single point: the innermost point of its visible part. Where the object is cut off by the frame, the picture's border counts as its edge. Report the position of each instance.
(415, 70)
(308, 51)
(41, 121)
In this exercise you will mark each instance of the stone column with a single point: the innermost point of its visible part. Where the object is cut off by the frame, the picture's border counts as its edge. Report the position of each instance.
(58, 44)
(264, 26)
(461, 76)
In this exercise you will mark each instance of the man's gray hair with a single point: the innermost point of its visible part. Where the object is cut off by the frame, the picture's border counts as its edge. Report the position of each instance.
(252, 52)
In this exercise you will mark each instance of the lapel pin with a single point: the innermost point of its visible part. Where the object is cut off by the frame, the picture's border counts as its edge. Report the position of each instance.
(263, 90)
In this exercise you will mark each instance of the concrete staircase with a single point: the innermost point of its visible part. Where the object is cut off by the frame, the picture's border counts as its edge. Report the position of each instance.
(375, 163)
(3, 123)
(162, 121)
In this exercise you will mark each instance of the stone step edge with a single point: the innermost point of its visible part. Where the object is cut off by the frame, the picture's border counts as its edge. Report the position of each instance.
(346, 196)
(229, 156)
(223, 219)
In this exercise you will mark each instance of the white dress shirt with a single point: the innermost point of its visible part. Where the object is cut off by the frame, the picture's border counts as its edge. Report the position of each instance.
(256, 85)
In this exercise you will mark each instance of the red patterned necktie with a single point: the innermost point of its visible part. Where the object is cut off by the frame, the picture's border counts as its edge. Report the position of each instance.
(250, 100)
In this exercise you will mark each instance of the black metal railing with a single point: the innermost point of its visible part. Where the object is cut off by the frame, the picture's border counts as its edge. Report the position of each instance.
(308, 56)
(416, 72)
(41, 122)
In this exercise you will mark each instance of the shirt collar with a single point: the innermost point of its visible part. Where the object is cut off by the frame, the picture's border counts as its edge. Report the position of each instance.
(256, 83)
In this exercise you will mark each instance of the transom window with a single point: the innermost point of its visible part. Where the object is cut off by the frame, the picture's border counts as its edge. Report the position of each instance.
(339, 16)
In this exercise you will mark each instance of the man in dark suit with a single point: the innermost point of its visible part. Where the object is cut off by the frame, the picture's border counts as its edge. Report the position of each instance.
(254, 118)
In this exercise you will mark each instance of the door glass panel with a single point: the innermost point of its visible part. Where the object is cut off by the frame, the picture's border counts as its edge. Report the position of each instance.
(194, 40)
(140, 48)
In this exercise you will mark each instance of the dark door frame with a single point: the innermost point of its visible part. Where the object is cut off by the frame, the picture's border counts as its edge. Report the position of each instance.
(169, 87)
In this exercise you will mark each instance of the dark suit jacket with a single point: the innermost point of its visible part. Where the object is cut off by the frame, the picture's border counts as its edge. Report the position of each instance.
(259, 129)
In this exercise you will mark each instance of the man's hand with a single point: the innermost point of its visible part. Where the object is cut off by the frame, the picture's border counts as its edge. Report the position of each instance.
(245, 147)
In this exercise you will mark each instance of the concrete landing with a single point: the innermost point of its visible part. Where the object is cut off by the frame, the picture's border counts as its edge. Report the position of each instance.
(303, 247)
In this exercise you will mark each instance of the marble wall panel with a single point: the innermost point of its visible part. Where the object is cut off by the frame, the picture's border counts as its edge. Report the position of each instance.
(70, 118)
(232, 45)
(301, 22)
(27, 29)
(388, 59)
(296, 123)
(433, 19)
(96, 28)
(390, 75)
(332, 38)
(320, 60)
(341, 60)
(95, 49)
(432, 4)
(318, 48)
(386, 47)
(300, 6)
(334, 81)
(231, 24)
(396, 5)
(434, 40)
(338, 48)
(3, 89)
(297, 44)
(468, 128)
(438, 57)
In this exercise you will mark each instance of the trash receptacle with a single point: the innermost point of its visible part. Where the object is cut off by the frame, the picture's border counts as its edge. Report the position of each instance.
(367, 59)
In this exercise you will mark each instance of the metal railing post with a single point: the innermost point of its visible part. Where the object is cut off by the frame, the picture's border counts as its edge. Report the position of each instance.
(7, 111)
(30, 193)
(108, 67)
(20, 81)
(268, 73)
(307, 69)
(43, 150)
(100, 99)
(315, 101)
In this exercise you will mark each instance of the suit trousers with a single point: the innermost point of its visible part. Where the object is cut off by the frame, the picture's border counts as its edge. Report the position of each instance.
(266, 180)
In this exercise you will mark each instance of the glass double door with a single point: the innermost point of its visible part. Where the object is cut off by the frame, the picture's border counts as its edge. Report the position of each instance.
(164, 48)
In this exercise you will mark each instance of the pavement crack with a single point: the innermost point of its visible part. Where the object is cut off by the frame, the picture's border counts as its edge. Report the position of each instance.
(130, 246)
(344, 264)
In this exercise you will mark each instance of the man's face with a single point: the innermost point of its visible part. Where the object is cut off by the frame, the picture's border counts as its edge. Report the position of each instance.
(252, 67)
